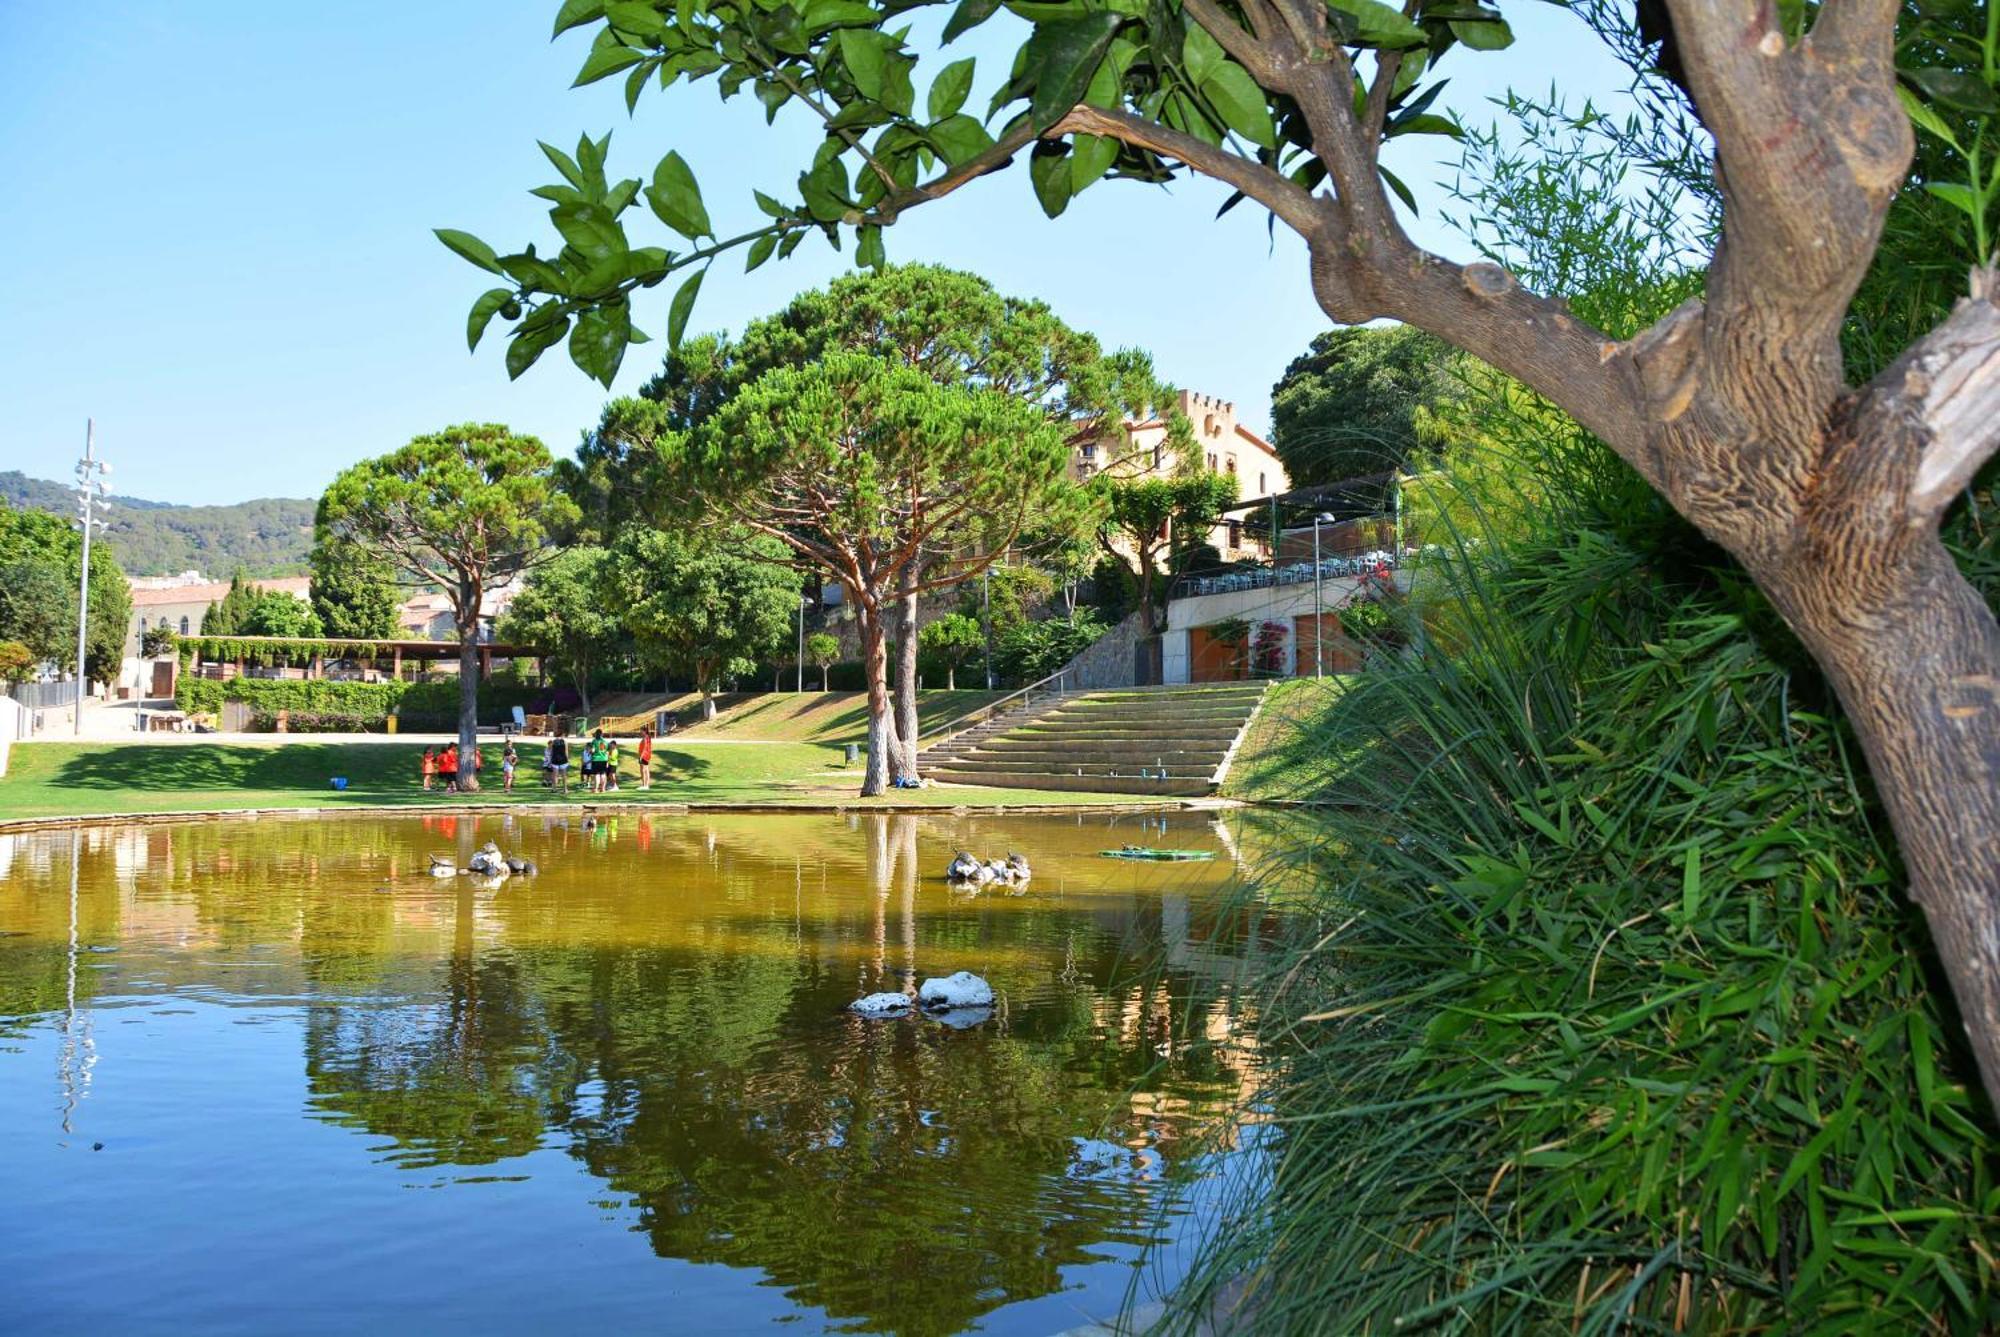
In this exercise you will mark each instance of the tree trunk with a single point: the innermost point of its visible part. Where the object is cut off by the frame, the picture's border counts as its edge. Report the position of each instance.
(702, 676)
(1915, 657)
(951, 677)
(468, 704)
(1146, 591)
(823, 668)
(906, 673)
(583, 691)
(881, 723)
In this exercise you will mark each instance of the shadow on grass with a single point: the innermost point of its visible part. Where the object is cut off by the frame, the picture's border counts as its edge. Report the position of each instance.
(373, 771)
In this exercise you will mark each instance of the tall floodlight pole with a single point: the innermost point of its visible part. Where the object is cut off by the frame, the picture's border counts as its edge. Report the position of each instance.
(799, 683)
(986, 617)
(90, 488)
(1319, 601)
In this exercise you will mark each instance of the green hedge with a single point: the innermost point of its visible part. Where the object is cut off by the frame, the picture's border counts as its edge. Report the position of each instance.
(416, 704)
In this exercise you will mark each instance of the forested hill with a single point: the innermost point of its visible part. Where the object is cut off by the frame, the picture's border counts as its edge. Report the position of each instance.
(267, 537)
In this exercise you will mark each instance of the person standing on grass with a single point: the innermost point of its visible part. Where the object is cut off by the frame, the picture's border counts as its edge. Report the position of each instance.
(611, 764)
(557, 756)
(448, 768)
(429, 766)
(646, 757)
(508, 761)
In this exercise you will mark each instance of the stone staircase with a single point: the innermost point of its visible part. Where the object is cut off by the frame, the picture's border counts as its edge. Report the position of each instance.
(1162, 741)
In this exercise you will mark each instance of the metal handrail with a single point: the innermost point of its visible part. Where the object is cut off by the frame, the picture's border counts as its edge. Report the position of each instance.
(1287, 573)
(974, 719)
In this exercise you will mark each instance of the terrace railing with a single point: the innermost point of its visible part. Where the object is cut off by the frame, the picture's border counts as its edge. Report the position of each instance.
(1285, 573)
(1058, 684)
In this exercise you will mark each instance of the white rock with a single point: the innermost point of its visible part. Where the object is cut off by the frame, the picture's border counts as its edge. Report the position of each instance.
(963, 868)
(881, 1005)
(963, 989)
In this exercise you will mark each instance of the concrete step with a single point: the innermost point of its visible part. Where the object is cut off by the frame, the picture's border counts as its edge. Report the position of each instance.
(1086, 784)
(1166, 749)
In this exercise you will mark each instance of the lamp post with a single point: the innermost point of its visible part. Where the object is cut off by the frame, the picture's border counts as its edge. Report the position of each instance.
(1319, 600)
(90, 490)
(799, 683)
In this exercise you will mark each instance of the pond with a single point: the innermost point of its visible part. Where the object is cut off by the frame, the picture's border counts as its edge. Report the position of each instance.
(264, 1075)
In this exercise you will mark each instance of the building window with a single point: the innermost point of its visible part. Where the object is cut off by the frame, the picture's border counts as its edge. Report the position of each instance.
(1159, 457)
(1232, 464)
(1211, 461)
(184, 625)
(1260, 484)
(1089, 452)
(1235, 533)
(1085, 470)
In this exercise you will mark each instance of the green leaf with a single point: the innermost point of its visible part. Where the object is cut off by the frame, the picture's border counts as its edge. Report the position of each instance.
(760, 250)
(1924, 118)
(1426, 125)
(605, 61)
(949, 89)
(969, 14)
(1061, 58)
(769, 205)
(682, 308)
(1483, 34)
(823, 14)
(590, 228)
(1958, 196)
(959, 138)
(824, 189)
(1377, 24)
(862, 51)
(575, 13)
(635, 17)
(1240, 102)
(1954, 88)
(1395, 183)
(676, 198)
(1200, 54)
(1048, 169)
(868, 252)
(597, 344)
(529, 344)
(1090, 158)
(483, 310)
(470, 248)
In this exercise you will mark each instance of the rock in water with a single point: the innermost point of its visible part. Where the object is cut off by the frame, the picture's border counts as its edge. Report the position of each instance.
(963, 868)
(881, 1005)
(963, 989)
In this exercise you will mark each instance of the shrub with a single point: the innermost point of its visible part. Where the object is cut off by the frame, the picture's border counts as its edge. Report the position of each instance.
(1034, 650)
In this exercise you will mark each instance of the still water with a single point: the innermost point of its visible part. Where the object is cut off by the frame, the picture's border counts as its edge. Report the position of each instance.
(262, 1076)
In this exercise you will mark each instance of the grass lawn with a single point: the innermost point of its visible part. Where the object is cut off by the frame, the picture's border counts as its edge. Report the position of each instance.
(1280, 758)
(69, 779)
(825, 717)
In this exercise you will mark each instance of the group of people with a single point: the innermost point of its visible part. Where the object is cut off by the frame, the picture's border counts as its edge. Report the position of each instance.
(601, 763)
(442, 768)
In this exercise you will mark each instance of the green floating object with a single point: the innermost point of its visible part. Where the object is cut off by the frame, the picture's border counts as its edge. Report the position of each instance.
(1166, 856)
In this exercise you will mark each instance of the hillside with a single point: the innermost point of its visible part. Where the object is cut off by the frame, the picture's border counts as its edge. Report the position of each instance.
(267, 537)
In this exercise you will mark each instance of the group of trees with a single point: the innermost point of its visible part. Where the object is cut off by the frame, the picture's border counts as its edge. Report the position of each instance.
(40, 559)
(704, 607)
(248, 609)
(896, 434)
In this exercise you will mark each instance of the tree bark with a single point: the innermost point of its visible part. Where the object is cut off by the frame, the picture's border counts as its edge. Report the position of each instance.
(467, 614)
(906, 673)
(881, 721)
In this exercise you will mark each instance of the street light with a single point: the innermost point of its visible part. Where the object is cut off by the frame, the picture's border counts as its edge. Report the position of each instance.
(799, 683)
(1319, 603)
(90, 490)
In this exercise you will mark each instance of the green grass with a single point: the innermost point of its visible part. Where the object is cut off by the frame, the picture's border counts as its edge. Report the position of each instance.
(1282, 752)
(73, 779)
(826, 717)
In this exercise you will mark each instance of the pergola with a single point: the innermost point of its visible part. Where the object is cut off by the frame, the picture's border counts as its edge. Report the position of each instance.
(313, 654)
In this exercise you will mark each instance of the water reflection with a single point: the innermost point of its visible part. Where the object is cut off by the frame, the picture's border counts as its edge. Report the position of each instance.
(664, 1007)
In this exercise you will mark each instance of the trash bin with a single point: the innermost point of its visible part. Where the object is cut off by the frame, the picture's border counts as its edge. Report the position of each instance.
(392, 723)
(853, 753)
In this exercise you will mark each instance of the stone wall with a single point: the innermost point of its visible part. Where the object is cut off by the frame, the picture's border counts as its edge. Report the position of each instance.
(1107, 662)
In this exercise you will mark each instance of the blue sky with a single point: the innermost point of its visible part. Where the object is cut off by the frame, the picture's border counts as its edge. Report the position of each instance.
(217, 221)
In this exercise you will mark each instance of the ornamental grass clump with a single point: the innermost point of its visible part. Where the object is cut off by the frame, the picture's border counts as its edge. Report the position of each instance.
(1607, 1009)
